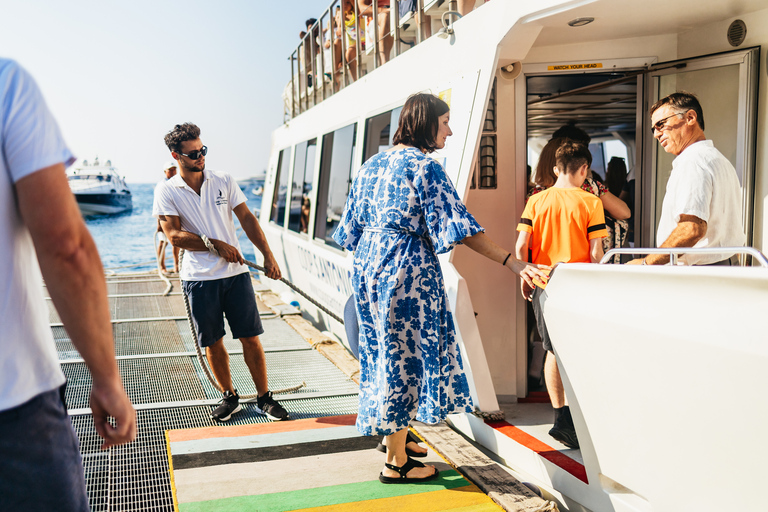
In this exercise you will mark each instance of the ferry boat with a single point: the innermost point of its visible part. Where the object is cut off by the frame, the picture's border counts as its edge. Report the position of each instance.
(99, 189)
(661, 365)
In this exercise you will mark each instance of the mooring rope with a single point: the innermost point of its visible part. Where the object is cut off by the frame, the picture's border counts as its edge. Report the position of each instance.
(327, 311)
(202, 360)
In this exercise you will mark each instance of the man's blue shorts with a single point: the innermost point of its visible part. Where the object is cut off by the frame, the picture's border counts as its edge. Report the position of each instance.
(40, 464)
(209, 301)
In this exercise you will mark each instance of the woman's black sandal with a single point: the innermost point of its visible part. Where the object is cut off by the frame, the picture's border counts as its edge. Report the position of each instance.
(408, 451)
(403, 471)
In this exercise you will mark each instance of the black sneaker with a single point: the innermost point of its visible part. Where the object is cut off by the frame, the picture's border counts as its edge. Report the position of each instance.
(271, 408)
(566, 435)
(229, 405)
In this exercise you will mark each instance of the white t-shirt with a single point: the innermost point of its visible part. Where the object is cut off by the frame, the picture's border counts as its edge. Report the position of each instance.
(704, 183)
(209, 214)
(30, 140)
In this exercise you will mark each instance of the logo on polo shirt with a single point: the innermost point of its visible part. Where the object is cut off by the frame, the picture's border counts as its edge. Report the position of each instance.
(220, 199)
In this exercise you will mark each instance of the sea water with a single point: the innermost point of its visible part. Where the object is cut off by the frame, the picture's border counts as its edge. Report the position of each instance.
(126, 241)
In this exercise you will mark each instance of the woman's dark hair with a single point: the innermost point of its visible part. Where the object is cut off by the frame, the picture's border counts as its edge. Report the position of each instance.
(571, 131)
(419, 121)
(571, 156)
(181, 133)
(616, 175)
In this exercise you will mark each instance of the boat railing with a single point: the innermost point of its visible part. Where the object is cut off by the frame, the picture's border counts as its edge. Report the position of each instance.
(675, 252)
(318, 72)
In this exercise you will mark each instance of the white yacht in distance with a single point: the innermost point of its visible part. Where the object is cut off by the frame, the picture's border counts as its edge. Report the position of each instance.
(662, 365)
(98, 188)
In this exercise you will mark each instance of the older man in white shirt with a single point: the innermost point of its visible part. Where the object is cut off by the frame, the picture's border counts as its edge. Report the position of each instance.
(702, 205)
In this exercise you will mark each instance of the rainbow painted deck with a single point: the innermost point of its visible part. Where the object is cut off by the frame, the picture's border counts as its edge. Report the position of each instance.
(315, 464)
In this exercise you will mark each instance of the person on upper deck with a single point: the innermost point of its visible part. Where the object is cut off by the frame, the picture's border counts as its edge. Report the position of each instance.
(702, 204)
(561, 224)
(402, 212)
(385, 39)
(43, 232)
(170, 171)
(195, 210)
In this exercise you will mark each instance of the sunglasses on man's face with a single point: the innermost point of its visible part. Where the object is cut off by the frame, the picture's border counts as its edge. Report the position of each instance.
(194, 155)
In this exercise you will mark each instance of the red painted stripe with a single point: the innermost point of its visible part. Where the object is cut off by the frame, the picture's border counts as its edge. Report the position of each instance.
(194, 434)
(554, 456)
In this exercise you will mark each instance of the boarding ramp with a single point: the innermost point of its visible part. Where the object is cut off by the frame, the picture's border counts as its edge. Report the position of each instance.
(158, 364)
(661, 366)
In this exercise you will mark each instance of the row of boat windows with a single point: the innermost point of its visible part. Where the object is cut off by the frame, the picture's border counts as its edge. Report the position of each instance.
(297, 189)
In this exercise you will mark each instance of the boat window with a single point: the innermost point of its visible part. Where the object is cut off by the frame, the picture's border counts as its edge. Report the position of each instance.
(335, 180)
(281, 185)
(301, 191)
(379, 132)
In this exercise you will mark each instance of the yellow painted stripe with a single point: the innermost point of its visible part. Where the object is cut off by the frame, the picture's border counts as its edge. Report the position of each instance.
(170, 471)
(461, 499)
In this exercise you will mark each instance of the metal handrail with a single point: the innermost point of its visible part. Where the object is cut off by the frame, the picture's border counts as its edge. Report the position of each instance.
(673, 252)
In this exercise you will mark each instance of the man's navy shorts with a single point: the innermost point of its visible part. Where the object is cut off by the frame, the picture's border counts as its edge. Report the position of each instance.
(40, 464)
(209, 301)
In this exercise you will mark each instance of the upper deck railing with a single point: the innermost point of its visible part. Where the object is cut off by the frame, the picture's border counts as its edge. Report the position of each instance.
(354, 37)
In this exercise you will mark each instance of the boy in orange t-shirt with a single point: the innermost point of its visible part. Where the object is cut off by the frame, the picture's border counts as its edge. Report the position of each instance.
(563, 224)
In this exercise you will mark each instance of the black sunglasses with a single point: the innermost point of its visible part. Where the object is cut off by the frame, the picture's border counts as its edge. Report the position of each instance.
(194, 155)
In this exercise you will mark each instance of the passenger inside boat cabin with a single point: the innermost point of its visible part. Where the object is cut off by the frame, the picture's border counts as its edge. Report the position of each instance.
(563, 224)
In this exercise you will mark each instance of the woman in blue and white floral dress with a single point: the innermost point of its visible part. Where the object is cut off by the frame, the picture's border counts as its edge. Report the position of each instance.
(401, 212)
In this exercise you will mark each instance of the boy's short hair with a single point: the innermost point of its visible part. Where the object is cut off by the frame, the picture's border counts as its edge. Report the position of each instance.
(571, 156)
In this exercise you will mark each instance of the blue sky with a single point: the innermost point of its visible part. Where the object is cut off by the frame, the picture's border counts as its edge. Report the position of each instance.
(118, 75)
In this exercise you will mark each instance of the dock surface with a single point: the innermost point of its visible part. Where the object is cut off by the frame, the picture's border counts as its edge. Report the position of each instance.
(177, 440)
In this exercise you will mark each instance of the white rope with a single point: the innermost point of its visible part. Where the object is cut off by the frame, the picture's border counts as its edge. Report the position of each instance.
(202, 360)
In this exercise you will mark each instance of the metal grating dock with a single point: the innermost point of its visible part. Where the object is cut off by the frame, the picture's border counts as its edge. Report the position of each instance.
(159, 367)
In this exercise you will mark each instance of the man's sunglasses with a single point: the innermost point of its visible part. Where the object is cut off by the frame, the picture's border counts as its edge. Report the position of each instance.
(194, 155)
(661, 123)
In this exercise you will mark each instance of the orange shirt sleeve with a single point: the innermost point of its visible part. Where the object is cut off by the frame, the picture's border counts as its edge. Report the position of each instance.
(596, 228)
(526, 221)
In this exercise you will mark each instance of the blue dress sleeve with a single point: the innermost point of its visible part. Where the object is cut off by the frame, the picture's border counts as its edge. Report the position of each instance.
(348, 232)
(448, 221)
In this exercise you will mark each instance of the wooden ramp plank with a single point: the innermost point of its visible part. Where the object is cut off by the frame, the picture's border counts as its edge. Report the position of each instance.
(511, 494)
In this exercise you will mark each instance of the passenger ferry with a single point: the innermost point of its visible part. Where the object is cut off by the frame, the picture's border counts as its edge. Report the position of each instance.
(98, 188)
(662, 366)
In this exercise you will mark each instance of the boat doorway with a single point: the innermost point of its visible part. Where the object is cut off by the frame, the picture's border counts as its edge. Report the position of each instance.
(612, 108)
(602, 106)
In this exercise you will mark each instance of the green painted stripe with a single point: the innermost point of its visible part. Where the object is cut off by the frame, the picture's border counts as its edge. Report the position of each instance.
(324, 496)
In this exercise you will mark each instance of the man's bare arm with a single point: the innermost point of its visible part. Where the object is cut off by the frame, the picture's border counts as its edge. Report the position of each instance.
(73, 273)
(689, 230)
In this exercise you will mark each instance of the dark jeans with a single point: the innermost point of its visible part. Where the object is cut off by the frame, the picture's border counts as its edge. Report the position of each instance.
(40, 464)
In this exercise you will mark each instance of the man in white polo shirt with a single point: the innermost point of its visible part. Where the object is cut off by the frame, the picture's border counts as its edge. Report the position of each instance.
(195, 207)
(702, 205)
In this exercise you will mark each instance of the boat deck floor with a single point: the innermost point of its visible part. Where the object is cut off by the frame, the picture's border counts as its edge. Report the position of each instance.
(158, 364)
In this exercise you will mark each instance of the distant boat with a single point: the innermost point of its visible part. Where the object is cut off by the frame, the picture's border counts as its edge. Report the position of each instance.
(99, 189)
